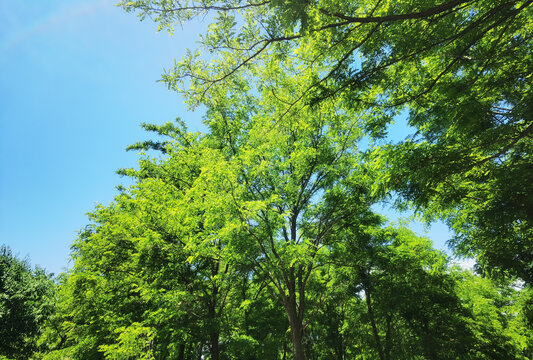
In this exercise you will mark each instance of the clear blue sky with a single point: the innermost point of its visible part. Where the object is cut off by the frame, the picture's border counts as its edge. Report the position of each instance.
(77, 78)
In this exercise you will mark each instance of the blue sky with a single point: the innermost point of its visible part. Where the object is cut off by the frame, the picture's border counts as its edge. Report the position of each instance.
(77, 78)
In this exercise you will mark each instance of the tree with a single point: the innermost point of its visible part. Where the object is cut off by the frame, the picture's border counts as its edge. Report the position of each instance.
(142, 281)
(25, 295)
(498, 321)
(402, 299)
(293, 186)
(258, 236)
(461, 68)
(252, 201)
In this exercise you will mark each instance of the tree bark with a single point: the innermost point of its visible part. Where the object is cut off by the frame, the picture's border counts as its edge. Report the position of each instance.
(340, 348)
(213, 316)
(375, 332)
(215, 351)
(388, 340)
(181, 353)
(296, 333)
(214, 333)
(200, 348)
(295, 319)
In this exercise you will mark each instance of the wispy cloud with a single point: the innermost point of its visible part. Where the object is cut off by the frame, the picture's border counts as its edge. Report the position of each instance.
(465, 263)
(55, 19)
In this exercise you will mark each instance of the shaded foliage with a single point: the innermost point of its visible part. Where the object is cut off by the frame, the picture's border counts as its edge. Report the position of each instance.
(25, 304)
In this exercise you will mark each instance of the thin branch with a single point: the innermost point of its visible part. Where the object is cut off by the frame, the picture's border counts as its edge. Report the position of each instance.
(203, 8)
(508, 147)
(388, 18)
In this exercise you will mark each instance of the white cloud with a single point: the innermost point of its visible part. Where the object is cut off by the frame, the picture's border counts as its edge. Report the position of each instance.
(466, 263)
(58, 17)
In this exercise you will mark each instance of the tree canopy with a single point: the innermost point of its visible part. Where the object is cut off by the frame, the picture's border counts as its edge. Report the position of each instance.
(25, 304)
(459, 71)
(257, 240)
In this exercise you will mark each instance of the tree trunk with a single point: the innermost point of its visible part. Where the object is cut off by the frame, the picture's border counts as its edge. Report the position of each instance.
(213, 316)
(388, 336)
(181, 353)
(297, 340)
(214, 334)
(340, 348)
(215, 351)
(200, 348)
(375, 332)
(296, 327)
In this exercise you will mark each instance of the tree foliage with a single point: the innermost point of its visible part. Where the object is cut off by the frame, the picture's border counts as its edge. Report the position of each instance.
(25, 304)
(257, 240)
(460, 68)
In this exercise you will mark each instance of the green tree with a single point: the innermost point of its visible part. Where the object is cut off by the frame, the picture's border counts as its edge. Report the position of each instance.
(460, 68)
(252, 198)
(258, 236)
(25, 295)
(401, 298)
(415, 299)
(293, 185)
(239, 243)
(498, 321)
(135, 286)
(154, 273)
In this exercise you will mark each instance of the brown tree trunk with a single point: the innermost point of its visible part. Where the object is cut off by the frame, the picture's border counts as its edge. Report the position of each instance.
(296, 334)
(375, 332)
(295, 320)
(181, 354)
(200, 348)
(213, 316)
(340, 348)
(214, 333)
(388, 336)
(215, 351)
